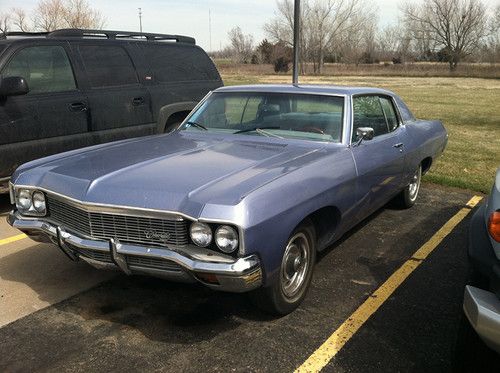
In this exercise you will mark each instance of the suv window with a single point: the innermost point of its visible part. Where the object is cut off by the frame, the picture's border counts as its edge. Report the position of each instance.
(107, 66)
(176, 63)
(45, 68)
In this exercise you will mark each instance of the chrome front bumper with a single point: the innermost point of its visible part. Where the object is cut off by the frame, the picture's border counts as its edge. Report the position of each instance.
(184, 264)
(482, 308)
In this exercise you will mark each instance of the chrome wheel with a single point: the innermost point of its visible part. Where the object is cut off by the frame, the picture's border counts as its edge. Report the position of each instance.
(295, 265)
(414, 185)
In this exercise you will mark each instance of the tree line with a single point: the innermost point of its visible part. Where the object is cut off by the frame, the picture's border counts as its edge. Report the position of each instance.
(347, 31)
(50, 15)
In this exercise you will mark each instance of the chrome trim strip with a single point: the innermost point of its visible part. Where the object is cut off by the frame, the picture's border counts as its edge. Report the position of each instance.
(12, 194)
(113, 209)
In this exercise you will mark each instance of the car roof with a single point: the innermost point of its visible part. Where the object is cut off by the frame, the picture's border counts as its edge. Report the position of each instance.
(305, 89)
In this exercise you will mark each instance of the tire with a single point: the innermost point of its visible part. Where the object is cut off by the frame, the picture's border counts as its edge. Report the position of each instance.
(408, 196)
(297, 266)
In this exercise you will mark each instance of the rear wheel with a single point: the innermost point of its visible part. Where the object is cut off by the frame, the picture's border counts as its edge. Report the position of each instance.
(296, 270)
(408, 196)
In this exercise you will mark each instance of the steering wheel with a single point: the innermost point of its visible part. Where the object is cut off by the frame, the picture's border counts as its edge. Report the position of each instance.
(312, 129)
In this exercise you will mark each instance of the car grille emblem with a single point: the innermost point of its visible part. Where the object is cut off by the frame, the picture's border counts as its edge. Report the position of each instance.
(154, 235)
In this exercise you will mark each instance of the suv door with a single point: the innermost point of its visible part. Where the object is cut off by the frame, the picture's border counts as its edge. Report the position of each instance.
(39, 123)
(381, 161)
(117, 100)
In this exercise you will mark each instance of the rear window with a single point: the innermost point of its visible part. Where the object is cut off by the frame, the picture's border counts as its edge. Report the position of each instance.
(107, 66)
(177, 63)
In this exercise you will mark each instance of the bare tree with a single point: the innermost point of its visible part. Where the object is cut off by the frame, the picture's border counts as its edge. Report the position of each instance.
(79, 14)
(241, 44)
(49, 15)
(4, 23)
(323, 24)
(394, 43)
(20, 19)
(456, 26)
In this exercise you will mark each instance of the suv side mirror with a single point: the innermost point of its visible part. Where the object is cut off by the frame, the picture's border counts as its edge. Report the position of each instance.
(365, 133)
(13, 86)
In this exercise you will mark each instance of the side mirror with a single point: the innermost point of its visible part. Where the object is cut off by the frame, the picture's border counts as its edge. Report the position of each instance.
(365, 133)
(13, 86)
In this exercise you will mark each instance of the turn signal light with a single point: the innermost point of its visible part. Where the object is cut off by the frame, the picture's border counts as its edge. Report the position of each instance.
(494, 225)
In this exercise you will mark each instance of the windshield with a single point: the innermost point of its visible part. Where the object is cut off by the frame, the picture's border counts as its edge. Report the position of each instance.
(298, 116)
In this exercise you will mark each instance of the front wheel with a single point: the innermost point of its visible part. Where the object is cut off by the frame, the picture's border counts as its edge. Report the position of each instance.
(408, 196)
(296, 270)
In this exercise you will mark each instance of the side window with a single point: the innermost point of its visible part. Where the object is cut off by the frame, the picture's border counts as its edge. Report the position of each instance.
(177, 63)
(390, 113)
(107, 66)
(368, 112)
(45, 68)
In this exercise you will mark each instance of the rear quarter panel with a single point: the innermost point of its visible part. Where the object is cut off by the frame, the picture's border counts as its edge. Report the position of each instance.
(424, 139)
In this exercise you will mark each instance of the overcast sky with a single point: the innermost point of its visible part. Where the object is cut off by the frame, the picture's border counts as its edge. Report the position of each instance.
(190, 17)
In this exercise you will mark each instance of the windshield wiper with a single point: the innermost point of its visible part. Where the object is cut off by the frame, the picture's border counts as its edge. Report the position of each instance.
(197, 125)
(256, 129)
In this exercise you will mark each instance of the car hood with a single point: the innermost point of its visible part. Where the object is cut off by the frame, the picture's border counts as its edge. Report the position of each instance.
(179, 172)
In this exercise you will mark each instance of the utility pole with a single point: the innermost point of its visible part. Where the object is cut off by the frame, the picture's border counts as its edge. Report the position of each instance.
(296, 42)
(210, 27)
(140, 19)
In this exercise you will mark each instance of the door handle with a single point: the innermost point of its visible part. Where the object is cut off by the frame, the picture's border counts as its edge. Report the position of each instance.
(136, 101)
(77, 106)
(399, 146)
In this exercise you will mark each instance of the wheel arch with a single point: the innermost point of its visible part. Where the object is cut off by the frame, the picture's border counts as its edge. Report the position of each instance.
(426, 164)
(325, 221)
(173, 113)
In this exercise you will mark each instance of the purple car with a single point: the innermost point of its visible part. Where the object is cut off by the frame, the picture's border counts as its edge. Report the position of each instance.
(241, 196)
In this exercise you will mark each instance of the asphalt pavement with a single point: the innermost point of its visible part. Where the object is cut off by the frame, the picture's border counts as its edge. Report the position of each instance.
(56, 315)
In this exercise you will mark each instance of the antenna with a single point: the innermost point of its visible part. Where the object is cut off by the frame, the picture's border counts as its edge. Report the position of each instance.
(140, 19)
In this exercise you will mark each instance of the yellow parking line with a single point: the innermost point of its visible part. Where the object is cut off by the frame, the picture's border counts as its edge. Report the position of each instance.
(322, 356)
(7, 240)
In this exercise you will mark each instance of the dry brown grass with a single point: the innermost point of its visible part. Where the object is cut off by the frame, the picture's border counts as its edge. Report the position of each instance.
(421, 69)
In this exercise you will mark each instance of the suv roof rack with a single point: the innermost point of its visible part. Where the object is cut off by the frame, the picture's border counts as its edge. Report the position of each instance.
(106, 34)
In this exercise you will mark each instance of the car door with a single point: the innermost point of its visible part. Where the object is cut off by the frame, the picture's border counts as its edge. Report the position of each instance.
(117, 100)
(380, 162)
(39, 123)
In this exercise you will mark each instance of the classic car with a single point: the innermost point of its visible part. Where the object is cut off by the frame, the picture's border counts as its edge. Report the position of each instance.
(241, 196)
(482, 296)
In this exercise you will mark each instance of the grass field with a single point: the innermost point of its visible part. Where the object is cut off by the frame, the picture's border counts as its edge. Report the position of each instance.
(468, 107)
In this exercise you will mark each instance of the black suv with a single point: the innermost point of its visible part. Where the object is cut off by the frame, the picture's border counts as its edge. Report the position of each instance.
(72, 88)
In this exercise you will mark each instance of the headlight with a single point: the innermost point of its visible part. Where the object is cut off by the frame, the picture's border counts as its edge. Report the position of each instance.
(226, 238)
(23, 200)
(30, 202)
(39, 202)
(201, 234)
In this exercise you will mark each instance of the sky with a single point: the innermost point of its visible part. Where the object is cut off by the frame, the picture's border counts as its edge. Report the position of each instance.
(191, 17)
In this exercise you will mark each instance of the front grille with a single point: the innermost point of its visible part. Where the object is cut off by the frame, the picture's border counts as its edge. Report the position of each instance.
(144, 262)
(133, 229)
(92, 254)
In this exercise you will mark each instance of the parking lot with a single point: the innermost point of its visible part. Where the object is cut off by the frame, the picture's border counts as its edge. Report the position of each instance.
(59, 315)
